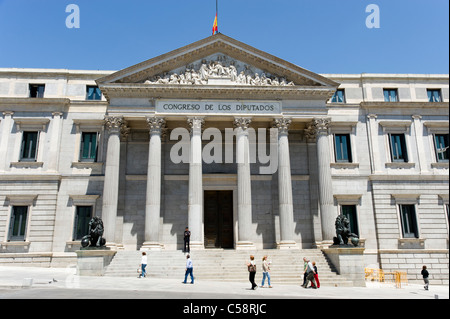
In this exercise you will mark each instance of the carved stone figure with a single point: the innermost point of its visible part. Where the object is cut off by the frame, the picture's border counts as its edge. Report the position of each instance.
(94, 238)
(222, 68)
(343, 233)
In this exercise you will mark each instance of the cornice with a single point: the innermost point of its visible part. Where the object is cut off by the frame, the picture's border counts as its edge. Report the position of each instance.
(33, 101)
(410, 105)
(212, 91)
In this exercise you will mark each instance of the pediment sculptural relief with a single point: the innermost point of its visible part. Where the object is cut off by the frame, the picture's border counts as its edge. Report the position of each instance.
(219, 68)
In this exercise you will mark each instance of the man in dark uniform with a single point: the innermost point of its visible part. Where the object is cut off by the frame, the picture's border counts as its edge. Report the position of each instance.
(187, 236)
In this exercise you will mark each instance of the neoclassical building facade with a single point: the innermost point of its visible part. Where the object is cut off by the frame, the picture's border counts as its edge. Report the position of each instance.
(247, 150)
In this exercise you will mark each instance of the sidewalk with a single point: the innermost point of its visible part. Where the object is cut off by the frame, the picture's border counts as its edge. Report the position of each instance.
(66, 278)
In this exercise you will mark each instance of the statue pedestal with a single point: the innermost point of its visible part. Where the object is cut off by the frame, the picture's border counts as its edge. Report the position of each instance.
(93, 261)
(349, 262)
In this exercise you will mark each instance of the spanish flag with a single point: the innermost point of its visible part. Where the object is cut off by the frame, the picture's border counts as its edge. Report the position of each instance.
(215, 26)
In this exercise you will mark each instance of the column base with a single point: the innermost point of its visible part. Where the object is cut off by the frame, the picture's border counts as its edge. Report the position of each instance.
(196, 245)
(112, 246)
(287, 244)
(151, 246)
(245, 245)
(324, 244)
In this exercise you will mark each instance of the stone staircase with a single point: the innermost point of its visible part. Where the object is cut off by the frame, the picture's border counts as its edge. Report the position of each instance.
(227, 265)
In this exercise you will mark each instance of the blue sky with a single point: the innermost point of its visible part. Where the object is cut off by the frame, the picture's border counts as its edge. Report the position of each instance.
(324, 36)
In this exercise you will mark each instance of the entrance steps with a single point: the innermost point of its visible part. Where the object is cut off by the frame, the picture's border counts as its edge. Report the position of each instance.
(227, 265)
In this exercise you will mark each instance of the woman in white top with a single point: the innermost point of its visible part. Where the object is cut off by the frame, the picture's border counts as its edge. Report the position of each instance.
(143, 264)
(266, 269)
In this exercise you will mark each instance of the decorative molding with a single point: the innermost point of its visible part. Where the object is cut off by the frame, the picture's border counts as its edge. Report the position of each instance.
(31, 123)
(406, 199)
(21, 200)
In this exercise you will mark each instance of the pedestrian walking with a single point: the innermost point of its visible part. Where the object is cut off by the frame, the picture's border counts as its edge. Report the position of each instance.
(143, 265)
(266, 269)
(309, 275)
(425, 275)
(187, 239)
(189, 269)
(305, 267)
(316, 275)
(252, 271)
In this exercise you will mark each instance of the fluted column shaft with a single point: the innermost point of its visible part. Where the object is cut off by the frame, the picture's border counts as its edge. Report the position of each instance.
(153, 196)
(244, 184)
(195, 208)
(328, 213)
(286, 208)
(114, 125)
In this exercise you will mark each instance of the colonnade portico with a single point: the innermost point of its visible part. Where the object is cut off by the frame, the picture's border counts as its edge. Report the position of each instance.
(317, 128)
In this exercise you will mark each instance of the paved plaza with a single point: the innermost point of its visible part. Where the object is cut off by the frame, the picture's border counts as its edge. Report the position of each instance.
(63, 283)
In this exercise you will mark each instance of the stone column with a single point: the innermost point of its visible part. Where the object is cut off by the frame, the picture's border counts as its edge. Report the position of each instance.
(114, 125)
(195, 208)
(153, 197)
(327, 210)
(310, 138)
(244, 184)
(286, 207)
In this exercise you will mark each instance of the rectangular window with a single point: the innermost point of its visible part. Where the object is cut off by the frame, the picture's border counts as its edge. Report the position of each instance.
(29, 146)
(349, 211)
(37, 90)
(18, 223)
(434, 95)
(93, 93)
(342, 148)
(83, 216)
(338, 97)
(390, 95)
(88, 152)
(409, 221)
(398, 148)
(441, 147)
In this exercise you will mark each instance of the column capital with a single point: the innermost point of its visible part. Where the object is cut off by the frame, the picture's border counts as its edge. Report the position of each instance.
(195, 123)
(242, 123)
(321, 125)
(282, 124)
(317, 127)
(57, 114)
(157, 125)
(117, 124)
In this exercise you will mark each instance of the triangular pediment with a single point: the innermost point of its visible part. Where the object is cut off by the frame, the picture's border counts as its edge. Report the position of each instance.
(217, 60)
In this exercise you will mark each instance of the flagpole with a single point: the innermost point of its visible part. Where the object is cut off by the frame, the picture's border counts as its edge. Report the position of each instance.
(217, 14)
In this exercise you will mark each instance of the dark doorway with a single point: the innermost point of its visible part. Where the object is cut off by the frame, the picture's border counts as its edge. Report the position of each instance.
(218, 209)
